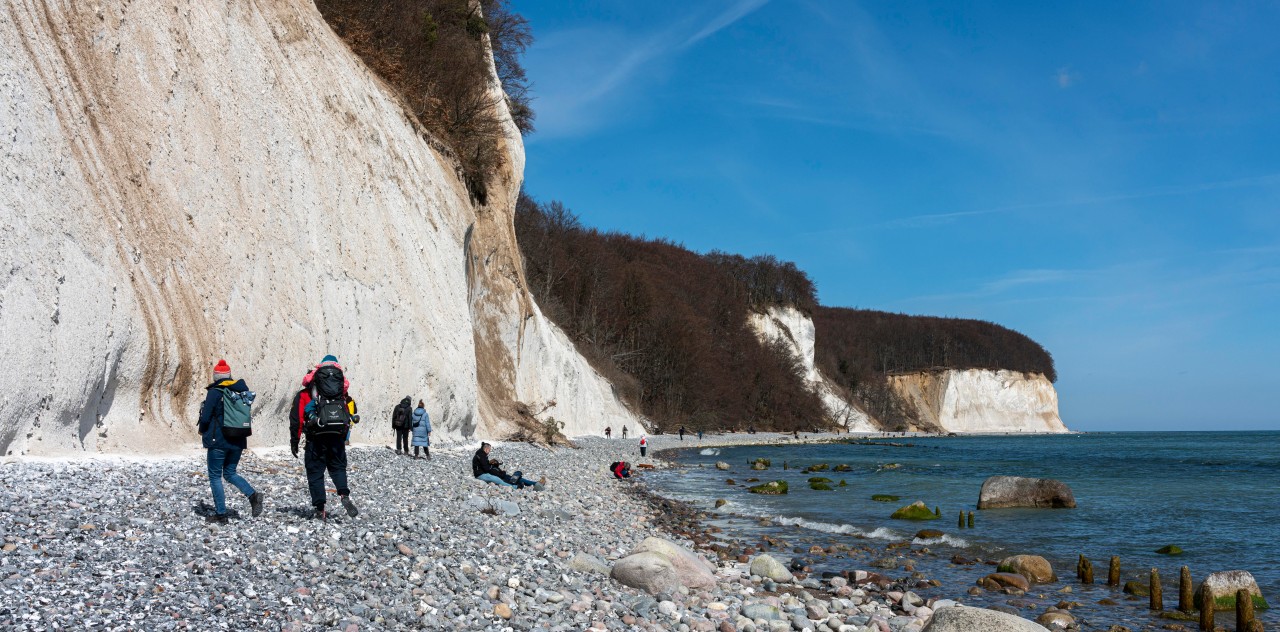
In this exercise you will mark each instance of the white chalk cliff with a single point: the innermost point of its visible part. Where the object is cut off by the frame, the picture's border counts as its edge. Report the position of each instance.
(981, 401)
(796, 331)
(183, 181)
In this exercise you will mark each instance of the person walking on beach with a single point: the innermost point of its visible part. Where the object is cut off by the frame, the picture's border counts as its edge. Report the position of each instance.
(324, 412)
(224, 428)
(624, 433)
(608, 432)
(421, 431)
(699, 434)
(682, 433)
(400, 425)
(644, 445)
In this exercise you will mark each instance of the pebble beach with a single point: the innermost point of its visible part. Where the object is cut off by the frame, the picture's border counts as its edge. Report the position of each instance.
(121, 544)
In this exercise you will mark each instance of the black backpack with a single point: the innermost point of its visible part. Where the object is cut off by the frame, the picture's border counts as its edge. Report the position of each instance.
(400, 416)
(330, 415)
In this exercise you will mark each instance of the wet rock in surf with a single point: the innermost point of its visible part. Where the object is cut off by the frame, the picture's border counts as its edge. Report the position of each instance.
(1035, 568)
(1015, 491)
(914, 511)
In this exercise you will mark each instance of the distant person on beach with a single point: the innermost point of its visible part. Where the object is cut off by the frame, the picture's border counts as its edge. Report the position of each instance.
(400, 424)
(421, 430)
(224, 428)
(490, 471)
(324, 412)
(608, 431)
(699, 434)
(624, 432)
(644, 445)
(682, 433)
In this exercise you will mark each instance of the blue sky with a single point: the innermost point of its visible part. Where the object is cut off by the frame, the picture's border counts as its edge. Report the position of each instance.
(1104, 177)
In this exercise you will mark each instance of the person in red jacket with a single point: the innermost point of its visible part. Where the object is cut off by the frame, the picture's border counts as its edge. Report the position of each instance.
(324, 413)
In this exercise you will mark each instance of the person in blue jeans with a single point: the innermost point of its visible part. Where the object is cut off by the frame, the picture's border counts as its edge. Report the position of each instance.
(487, 470)
(223, 452)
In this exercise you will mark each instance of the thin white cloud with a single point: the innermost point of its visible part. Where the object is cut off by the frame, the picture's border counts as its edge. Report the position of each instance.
(931, 219)
(739, 10)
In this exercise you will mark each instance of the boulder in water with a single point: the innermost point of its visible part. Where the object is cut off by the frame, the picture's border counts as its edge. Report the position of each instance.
(1007, 580)
(1171, 549)
(885, 498)
(1036, 569)
(914, 511)
(1137, 589)
(721, 465)
(1224, 586)
(929, 534)
(1016, 491)
(761, 464)
(965, 619)
(772, 488)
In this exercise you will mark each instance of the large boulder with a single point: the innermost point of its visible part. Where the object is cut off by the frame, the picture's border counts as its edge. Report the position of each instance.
(963, 619)
(649, 572)
(766, 566)
(1015, 491)
(1224, 586)
(693, 570)
(1036, 569)
(721, 465)
(772, 488)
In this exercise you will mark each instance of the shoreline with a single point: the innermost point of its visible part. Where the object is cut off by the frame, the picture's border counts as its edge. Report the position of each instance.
(1103, 606)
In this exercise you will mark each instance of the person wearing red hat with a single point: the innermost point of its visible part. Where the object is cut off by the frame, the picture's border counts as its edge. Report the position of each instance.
(224, 444)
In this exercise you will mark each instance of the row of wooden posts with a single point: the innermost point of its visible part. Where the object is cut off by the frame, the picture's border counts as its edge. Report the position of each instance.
(1245, 621)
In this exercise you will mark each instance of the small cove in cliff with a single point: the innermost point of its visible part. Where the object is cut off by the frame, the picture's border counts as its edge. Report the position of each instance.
(1214, 494)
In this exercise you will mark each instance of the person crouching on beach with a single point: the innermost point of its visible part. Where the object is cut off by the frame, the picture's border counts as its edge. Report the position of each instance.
(488, 470)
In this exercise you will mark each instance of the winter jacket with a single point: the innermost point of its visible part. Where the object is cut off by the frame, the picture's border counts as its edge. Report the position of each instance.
(421, 428)
(298, 414)
(210, 426)
(480, 465)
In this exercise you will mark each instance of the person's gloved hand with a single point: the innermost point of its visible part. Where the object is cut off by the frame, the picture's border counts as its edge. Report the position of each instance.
(355, 419)
(293, 446)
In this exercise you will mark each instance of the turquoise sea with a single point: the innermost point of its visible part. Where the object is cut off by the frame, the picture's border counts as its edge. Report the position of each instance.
(1215, 494)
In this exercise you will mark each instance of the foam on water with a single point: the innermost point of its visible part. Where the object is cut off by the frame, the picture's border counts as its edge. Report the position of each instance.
(710, 451)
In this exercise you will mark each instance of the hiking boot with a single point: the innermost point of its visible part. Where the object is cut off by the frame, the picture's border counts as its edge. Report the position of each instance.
(321, 515)
(350, 507)
(537, 487)
(216, 519)
(255, 504)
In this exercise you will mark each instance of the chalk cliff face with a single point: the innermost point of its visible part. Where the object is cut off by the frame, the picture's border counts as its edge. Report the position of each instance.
(981, 401)
(193, 180)
(791, 327)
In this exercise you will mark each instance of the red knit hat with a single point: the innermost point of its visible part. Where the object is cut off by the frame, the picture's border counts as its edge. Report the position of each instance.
(222, 368)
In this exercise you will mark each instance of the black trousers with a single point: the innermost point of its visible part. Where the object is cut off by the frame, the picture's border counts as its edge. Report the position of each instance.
(402, 439)
(325, 454)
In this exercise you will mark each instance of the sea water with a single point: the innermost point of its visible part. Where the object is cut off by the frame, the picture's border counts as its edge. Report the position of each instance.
(1214, 494)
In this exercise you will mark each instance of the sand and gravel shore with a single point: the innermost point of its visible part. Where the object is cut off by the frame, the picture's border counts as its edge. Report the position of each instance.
(121, 544)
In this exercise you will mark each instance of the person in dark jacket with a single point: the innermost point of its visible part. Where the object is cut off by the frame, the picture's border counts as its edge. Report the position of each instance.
(222, 453)
(400, 423)
(421, 430)
(326, 449)
(488, 470)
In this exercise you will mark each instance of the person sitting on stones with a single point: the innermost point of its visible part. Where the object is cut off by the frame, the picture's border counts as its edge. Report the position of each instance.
(490, 471)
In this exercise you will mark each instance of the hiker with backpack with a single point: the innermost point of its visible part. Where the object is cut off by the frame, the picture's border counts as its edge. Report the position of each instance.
(324, 413)
(400, 424)
(225, 425)
(421, 431)
(620, 469)
(644, 445)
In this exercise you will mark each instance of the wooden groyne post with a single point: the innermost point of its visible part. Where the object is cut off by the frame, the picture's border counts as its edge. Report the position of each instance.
(1206, 609)
(1186, 601)
(970, 519)
(1085, 570)
(1244, 609)
(960, 524)
(1113, 573)
(1157, 591)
